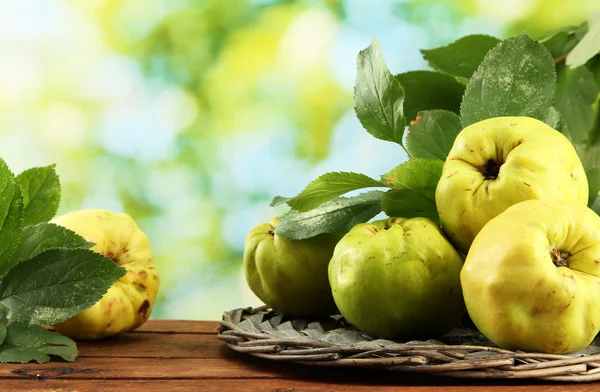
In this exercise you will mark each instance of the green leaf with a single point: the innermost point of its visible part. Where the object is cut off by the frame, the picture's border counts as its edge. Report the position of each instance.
(582, 30)
(414, 194)
(39, 238)
(589, 46)
(594, 67)
(418, 174)
(378, 96)
(462, 57)
(426, 90)
(11, 212)
(337, 216)
(432, 136)
(328, 187)
(560, 43)
(575, 94)
(596, 206)
(589, 155)
(41, 194)
(279, 200)
(593, 177)
(556, 121)
(3, 331)
(25, 343)
(594, 135)
(56, 285)
(406, 203)
(516, 78)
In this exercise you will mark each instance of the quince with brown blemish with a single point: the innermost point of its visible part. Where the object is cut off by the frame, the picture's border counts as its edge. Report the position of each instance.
(129, 301)
(531, 280)
(502, 161)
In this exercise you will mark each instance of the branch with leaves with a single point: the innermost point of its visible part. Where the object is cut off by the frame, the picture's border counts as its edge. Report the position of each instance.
(555, 79)
(48, 273)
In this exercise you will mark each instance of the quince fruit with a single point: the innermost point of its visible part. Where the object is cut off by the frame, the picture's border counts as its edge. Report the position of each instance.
(129, 301)
(531, 280)
(287, 275)
(501, 161)
(398, 279)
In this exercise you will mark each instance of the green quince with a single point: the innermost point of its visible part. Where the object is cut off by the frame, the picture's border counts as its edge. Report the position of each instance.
(287, 275)
(397, 278)
(501, 161)
(531, 280)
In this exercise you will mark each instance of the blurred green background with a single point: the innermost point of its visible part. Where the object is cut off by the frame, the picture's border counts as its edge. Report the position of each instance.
(190, 115)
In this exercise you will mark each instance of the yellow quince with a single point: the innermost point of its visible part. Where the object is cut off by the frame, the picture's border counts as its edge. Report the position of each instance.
(501, 161)
(531, 280)
(129, 301)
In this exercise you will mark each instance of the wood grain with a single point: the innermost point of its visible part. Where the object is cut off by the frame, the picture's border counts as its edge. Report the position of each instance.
(230, 366)
(185, 355)
(174, 326)
(150, 368)
(154, 345)
(179, 326)
(264, 385)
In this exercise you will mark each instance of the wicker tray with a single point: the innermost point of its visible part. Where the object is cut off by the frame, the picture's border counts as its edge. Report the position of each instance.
(462, 352)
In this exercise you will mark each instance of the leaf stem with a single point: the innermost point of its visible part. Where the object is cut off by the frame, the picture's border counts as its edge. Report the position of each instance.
(405, 150)
(561, 57)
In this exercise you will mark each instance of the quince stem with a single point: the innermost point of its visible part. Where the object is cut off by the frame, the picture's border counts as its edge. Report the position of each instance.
(559, 258)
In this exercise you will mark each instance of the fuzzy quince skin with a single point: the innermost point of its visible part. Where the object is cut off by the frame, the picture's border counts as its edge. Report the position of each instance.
(129, 301)
(501, 161)
(398, 279)
(287, 275)
(531, 280)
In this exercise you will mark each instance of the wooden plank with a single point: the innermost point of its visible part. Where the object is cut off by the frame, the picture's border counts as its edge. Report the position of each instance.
(179, 326)
(271, 385)
(152, 368)
(163, 357)
(231, 366)
(174, 326)
(156, 345)
(229, 372)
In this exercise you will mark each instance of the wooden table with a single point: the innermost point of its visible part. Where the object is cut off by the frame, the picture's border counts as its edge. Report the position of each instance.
(186, 356)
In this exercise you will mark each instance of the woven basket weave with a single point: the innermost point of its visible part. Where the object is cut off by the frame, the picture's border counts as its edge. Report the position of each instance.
(333, 342)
